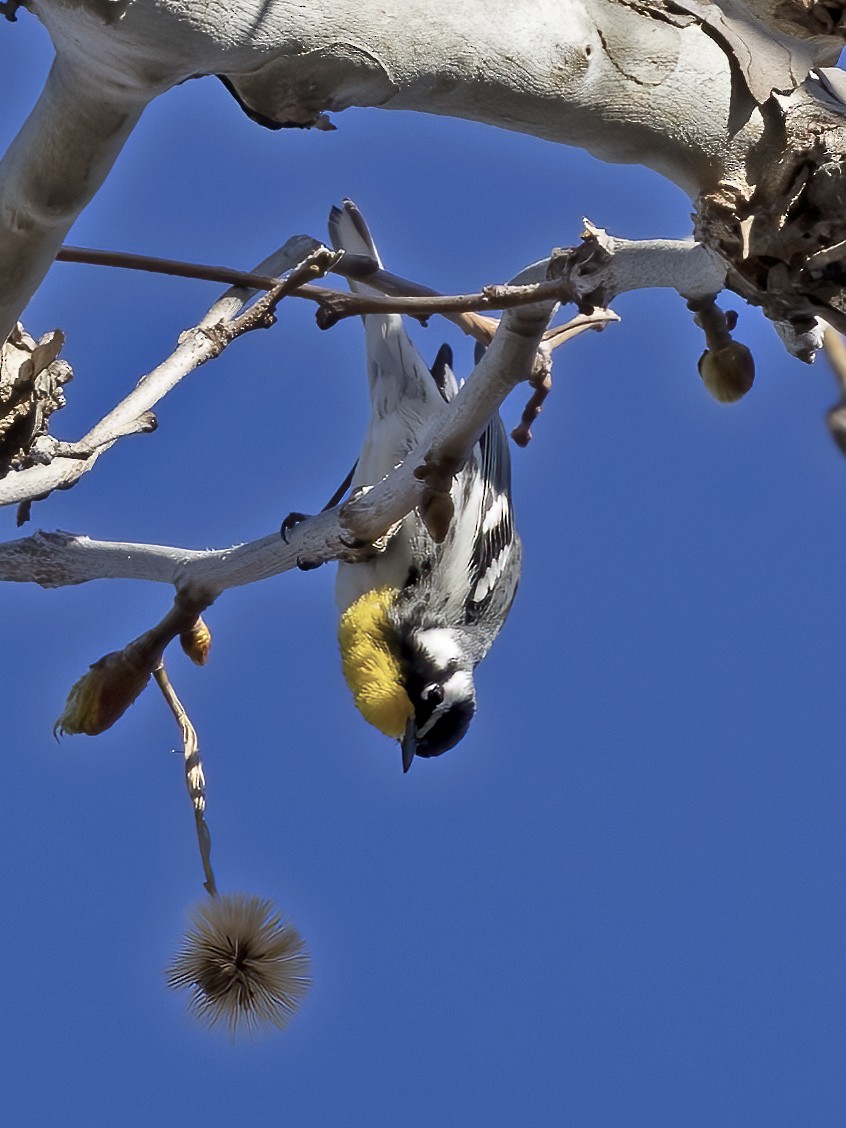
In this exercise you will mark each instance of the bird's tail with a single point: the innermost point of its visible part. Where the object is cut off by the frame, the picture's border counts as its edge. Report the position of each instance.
(349, 232)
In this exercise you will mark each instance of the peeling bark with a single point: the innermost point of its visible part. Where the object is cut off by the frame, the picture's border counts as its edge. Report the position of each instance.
(721, 97)
(782, 227)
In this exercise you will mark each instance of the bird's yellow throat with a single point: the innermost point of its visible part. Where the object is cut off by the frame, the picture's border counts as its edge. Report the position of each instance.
(371, 668)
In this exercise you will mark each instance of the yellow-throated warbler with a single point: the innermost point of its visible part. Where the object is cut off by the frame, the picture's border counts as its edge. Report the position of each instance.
(418, 617)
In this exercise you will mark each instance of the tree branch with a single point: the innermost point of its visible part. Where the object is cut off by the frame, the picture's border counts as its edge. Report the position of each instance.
(591, 274)
(195, 780)
(686, 88)
(50, 172)
(125, 260)
(605, 267)
(219, 327)
(60, 559)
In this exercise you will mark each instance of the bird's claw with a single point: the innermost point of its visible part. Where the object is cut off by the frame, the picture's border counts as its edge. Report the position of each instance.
(304, 563)
(291, 521)
(307, 564)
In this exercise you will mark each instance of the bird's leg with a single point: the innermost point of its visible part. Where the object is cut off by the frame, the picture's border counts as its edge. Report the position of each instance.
(360, 551)
(436, 507)
(294, 517)
(304, 563)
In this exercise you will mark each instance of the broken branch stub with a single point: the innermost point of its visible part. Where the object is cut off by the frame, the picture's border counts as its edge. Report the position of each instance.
(31, 382)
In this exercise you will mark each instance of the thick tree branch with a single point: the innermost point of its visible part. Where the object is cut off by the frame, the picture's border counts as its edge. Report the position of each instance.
(682, 86)
(49, 173)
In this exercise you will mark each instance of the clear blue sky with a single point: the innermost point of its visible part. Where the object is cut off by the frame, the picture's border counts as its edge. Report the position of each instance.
(620, 901)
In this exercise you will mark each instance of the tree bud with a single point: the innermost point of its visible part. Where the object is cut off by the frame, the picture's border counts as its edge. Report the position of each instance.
(196, 642)
(102, 696)
(728, 373)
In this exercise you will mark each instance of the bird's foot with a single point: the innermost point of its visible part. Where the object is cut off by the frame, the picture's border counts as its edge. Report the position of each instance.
(304, 563)
(436, 507)
(291, 521)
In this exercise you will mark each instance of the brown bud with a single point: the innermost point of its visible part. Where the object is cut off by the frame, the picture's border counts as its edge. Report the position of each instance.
(196, 642)
(102, 696)
(728, 373)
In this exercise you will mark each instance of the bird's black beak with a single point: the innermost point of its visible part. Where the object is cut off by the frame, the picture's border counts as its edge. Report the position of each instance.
(409, 744)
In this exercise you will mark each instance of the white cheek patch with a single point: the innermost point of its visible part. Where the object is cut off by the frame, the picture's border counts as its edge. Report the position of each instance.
(459, 687)
(439, 646)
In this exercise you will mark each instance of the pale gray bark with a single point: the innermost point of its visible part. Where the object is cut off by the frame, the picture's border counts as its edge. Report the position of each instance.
(58, 559)
(63, 464)
(715, 96)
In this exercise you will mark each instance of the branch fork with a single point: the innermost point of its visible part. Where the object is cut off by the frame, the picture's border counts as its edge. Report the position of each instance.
(520, 348)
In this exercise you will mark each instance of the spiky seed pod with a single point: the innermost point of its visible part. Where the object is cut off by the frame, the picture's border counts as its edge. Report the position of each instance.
(728, 373)
(243, 964)
(196, 642)
(103, 695)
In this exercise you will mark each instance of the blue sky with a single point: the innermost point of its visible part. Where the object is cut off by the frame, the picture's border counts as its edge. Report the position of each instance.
(620, 901)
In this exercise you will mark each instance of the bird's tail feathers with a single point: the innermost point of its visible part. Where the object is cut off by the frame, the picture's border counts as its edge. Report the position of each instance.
(443, 375)
(349, 232)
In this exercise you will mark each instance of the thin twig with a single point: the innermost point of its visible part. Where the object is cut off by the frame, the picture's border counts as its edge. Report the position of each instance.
(541, 382)
(541, 379)
(194, 778)
(365, 269)
(597, 319)
(261, 314)
(334, 305)
(125, 260)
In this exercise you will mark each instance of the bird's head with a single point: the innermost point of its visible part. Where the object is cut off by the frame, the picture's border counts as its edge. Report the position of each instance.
(411, 683)
(439, 683)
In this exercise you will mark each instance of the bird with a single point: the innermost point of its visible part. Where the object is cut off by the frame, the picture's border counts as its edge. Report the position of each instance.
(418, 616)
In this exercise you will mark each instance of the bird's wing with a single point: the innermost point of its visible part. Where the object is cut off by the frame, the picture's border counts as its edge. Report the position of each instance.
(497, 543)
(482, 546)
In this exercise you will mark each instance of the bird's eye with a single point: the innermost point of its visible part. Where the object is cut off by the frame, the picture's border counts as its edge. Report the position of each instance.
(433, 694)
